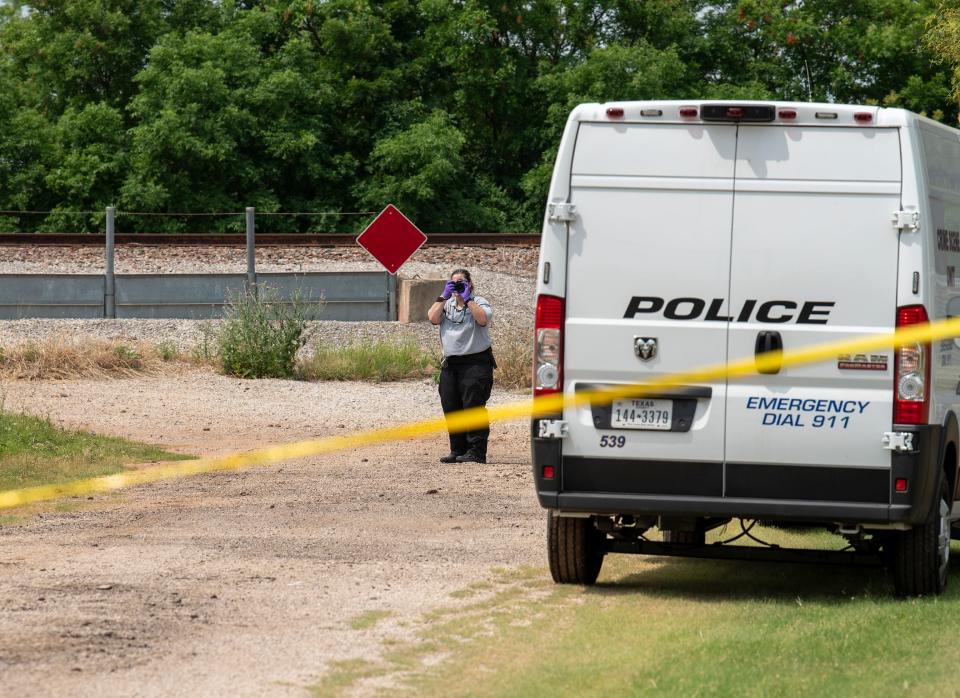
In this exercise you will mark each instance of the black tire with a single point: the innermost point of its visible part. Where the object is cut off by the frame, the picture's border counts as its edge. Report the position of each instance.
(575, 549)
(921, 556)
(683, 537)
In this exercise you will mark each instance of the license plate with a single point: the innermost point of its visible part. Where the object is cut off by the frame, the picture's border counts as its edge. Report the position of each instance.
(643, 413)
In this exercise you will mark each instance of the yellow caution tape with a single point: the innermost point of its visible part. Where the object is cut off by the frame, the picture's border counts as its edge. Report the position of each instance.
(474, 418)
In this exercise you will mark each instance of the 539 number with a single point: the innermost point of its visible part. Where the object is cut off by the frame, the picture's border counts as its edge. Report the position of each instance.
(612, 441)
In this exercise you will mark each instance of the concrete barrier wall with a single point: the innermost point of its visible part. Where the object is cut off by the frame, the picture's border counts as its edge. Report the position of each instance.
(416, 296)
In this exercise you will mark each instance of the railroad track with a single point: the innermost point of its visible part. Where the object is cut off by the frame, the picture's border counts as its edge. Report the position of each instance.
(285, 240)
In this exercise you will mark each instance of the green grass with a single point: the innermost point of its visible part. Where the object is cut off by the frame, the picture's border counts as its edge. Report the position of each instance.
(382, 361)
(34, 451)
(671, 626)
(368, 619)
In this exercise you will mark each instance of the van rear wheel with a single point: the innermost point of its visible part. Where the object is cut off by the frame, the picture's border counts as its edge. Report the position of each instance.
(575, 549)
(921, 556)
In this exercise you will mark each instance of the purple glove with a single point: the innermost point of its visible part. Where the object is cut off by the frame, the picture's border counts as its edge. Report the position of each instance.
(466, 291)
(447, 290)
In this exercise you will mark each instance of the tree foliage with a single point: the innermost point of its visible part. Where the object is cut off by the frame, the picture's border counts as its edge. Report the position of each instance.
(451, 109)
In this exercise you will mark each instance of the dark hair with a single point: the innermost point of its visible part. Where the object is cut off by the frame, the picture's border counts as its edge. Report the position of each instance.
(466, 274)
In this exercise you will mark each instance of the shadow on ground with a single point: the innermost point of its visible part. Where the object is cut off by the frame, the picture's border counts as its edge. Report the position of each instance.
(718, 580)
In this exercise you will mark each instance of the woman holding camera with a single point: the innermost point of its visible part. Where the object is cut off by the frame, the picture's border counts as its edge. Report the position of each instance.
(466, 373)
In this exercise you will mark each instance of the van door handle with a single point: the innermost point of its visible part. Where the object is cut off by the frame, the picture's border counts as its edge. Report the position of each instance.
(768, 341)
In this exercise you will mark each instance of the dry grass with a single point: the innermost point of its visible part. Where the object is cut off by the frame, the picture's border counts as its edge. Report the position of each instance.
(59, 358)
(63, 358)
(513, 349)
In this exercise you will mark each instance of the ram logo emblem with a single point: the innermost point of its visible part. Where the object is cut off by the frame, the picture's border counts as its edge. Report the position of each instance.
(645, 347)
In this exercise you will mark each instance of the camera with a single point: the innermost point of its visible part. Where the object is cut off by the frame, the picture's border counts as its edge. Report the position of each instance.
(458, 286)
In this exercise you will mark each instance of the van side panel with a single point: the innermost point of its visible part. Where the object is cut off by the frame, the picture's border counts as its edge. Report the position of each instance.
(812, 238)
(941, 230)
(654, 205)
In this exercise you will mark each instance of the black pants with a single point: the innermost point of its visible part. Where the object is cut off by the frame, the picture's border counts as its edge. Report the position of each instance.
(465, 381)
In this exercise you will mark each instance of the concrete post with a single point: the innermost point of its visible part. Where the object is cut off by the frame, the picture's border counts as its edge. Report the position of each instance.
(251, 252)
(110, 288)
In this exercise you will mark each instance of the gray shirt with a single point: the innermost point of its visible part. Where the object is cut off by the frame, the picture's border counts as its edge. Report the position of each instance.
(459, 332)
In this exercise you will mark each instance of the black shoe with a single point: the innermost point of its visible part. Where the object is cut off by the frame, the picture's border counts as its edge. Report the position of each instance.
(451, 457)
(471, 456)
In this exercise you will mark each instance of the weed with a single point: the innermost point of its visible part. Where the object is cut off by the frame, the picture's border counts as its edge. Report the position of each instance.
(513, 349)
(381, 361)
(205, 352)
(167, 351)
(262, 333)
(127, 356)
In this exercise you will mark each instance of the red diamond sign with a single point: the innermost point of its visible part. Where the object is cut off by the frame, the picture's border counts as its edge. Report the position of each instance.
(391, 238)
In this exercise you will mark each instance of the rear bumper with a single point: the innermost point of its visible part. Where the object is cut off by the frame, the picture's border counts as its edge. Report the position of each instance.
(822, 493)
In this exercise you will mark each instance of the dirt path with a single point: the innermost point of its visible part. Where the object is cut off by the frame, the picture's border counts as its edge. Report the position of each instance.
(247, 583)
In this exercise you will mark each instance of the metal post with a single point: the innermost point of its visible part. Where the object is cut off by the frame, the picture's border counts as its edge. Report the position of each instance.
(391, 296)
(251, 252)
(110, 289)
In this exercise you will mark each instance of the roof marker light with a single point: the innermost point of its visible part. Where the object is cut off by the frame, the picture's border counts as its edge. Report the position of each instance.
(651, 112)
(734, 112)
(863, 117)
(615, 112)
(688, 112)
(826, 115)
(787, 113)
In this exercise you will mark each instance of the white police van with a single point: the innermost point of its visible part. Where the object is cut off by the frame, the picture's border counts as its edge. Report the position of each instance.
(680, 235)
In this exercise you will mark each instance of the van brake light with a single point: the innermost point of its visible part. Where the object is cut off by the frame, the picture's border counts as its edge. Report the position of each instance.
(738, 112)
(911, 379)
(548, 349)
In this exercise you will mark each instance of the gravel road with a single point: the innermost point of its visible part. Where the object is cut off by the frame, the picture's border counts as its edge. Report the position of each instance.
(246, 583)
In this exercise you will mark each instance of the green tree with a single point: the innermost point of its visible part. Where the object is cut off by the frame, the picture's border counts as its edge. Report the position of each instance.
(422, 171)
(74, 52)
(831, 50)
(452, 110)
(943, 40)
(214, 109)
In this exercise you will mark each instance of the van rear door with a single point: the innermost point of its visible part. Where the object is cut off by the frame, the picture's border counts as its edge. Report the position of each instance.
(813, 260)
(651, 240)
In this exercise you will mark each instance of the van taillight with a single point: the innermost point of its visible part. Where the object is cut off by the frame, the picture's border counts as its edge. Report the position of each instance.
(548, 351)
(911, 375)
